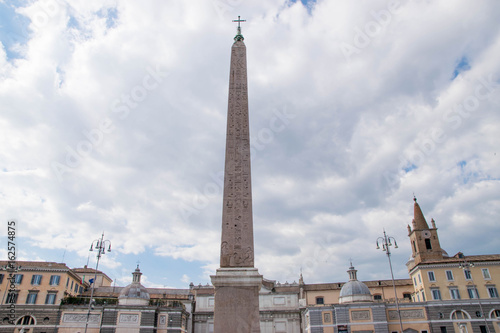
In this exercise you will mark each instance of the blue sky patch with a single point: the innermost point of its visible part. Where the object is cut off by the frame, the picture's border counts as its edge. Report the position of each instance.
(13, 29)
(73, 23)
(462, 66)
(111, 15)
(307, 3)
(409, 168)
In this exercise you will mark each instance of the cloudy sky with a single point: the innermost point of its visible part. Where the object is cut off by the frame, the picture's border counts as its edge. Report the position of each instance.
(113, 119)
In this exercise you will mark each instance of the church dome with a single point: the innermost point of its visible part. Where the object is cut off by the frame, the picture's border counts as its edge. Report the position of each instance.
(135, 293)
(354, 290)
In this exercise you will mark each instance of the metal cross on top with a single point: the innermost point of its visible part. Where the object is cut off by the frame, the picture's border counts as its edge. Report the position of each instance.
(239, 20)
(239, 36)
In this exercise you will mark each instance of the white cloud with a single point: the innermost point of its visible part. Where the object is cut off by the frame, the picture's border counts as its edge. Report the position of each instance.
(130, 100)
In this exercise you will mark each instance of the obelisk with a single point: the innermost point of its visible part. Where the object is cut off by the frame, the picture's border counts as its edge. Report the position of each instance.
(237, 282)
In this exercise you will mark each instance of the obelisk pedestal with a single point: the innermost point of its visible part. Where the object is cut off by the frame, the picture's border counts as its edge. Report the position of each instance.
(237, 282)
(237, 300)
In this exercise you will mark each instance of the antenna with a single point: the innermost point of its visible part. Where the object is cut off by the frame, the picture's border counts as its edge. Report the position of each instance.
(64, 254)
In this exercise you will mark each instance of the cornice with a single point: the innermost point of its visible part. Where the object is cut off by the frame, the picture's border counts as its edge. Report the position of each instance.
(451, 264)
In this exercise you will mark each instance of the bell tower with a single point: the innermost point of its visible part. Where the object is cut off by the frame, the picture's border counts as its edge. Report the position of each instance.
(424, 240)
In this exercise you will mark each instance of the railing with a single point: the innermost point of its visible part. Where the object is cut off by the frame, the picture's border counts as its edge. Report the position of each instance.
(166, 303)
(85, 300)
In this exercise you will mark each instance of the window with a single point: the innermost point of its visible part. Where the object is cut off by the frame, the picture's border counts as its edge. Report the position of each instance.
(1, 278)
(454, 293)
(449, 275)
(440, 315)
(436, 294)
(486, 273)
(482, 328)
(419, 279)
(407, 296)
(76, 288)
(71, 288)
(492, 291)
(31, 299)
(36, 280)
(472, 291)
(12, 298)
(428, 244)
(496, 313)
(414, 247)
(51, 298)
(414, 281)
(320, 300)
(18, 278)
(432, 278)
(423, 296)
(459, 315)
(80, 290)
(479, 314)
(377, 297)
(467, 274)
(443, 329)
(67, 283)
(26, 320)
(54, 280)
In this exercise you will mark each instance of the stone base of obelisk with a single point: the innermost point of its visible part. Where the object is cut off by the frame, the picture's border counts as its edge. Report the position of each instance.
(237, 300)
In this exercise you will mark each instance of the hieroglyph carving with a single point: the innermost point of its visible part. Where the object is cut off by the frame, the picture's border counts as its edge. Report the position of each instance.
(237, 223)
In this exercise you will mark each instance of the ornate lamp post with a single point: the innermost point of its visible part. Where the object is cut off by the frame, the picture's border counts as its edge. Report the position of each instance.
(465, 265)
(386, 243)
(100, 247)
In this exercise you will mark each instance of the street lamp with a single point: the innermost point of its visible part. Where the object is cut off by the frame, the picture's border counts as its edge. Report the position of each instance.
(100, 247)
(465, 265)
(386, 244)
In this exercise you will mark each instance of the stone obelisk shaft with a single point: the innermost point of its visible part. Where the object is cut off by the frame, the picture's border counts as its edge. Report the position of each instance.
(237, 282)
(237, 249)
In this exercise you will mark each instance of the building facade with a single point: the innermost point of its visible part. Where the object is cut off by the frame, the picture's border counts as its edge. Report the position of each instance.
(36, 283)
(443, 294)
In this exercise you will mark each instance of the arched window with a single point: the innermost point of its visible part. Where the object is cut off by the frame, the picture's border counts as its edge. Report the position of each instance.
(26, 320)
(459, 314)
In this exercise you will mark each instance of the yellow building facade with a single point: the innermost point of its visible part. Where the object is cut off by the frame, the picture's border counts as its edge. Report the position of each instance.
(436, 276)
(37, 283)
